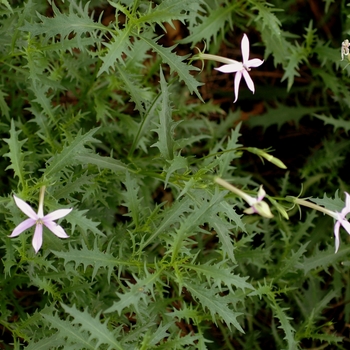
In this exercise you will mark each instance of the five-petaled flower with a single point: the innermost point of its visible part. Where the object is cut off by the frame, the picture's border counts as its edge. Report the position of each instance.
(38, 219)
(232, 66)
(242, 68)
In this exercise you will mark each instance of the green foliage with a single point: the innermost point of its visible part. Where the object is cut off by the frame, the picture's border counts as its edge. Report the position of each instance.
(101, 104)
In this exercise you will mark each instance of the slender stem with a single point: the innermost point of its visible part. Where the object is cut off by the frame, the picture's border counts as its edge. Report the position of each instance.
(207, 56)
(235, 190)
(41, 202)
(315, 206)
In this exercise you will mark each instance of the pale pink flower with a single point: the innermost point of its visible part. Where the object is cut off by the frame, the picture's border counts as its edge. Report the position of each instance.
(242, 68)
(257, 205)
(38, 219)
(341, 221)
(340, 218)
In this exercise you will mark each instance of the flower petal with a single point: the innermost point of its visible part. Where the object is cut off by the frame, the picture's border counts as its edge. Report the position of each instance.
(238, 78)
(22, 227)
(261, 193)
(57, 214)
(245, 48)
(56, 229)
(230, 68)
(249, 81)
(346, 210)
(346, 225)
(38, 237)
(336, 235)
(255, 62)
(26, 208)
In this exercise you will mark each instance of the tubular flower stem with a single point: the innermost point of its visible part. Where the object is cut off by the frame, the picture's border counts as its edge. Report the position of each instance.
(38, 219)
(257, 205)
(340, 218)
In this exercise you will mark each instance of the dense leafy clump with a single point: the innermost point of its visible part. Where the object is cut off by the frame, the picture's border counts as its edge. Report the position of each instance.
(188, 228)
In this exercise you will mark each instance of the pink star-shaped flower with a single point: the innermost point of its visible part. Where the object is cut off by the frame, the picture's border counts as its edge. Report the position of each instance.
(38, 219)
(242, 68)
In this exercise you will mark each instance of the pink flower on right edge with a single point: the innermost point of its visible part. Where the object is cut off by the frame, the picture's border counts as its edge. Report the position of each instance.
(242, 68)
(341, 221)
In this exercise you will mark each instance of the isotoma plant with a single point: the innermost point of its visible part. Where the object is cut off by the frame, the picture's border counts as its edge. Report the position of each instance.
(174, 217)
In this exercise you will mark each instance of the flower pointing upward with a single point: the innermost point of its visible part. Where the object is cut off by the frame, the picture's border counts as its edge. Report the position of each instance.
(38, 219)
(242, 68)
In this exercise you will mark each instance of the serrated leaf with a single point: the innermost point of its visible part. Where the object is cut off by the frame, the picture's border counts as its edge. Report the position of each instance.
(16, 154)
(102, 162)
(77, 22)
(177, 163)
(285, 325)
(131, 199)
(166, 125)
(5, 110)
(176, 64)
(87, 257)
(336, 123)
(289, 263)
(47, 343)
(217, 306)
(67, 331)
(218, 274)
(281, 115)
(267, 18)
(118, 45)
(78, 217)
(138, 94)
(144, 127)
(67, 157)
(73, 184)
(6, 3)
(43, 100)
(334, 204)
(97, 329)
(322, 259)
(296, 56)
(171, 217)
(169, 10)
(136, 293)
(212, 24)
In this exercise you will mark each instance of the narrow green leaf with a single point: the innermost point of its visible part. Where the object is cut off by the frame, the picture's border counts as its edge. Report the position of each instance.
(217, 305)
(118, 45)
(336, 123)
(87, 257)
(95, 327)
(176, 64)
(217, 274)
(68, 332)
(16, 154)
(212, 25)
(5, 110)
(67, 157)
(77, 21)
(166, 125)
(102, 162)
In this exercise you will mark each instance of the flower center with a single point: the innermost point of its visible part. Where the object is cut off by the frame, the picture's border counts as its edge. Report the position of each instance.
(246, 68)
